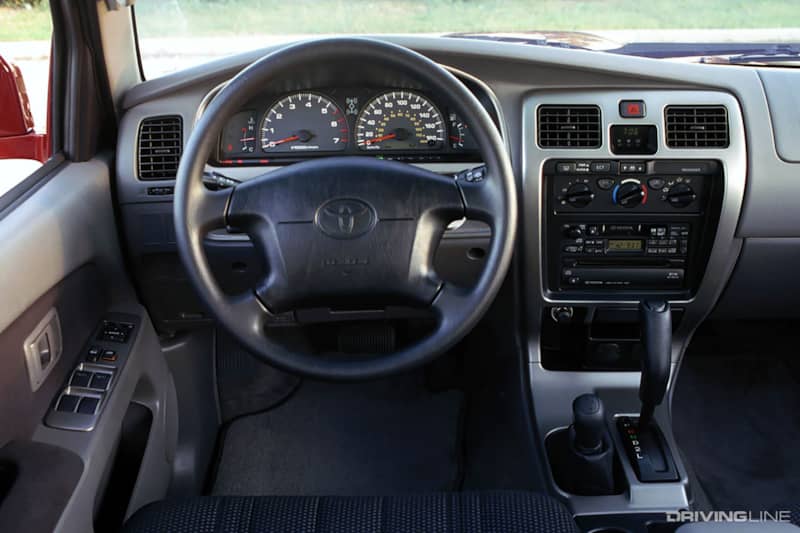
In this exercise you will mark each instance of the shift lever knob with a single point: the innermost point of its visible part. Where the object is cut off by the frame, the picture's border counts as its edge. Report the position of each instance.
(656, 321)
(589, 423)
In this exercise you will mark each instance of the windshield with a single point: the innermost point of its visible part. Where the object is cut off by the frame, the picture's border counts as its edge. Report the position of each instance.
(175, 34)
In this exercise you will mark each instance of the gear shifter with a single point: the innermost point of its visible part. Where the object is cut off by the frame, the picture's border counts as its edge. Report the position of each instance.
(589, 424)
(583, 456)
(644, 443)
(656, 321)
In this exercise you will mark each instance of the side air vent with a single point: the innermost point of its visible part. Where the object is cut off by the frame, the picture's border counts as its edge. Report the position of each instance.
(160, 145)
(697, 126)
(569, 126)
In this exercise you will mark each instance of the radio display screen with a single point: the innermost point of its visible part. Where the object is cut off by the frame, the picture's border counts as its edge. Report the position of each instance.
(624, 245)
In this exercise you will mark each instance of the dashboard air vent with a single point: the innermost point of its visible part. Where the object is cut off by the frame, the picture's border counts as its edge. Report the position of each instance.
(697, 126)
(569, 126)
(160, 145)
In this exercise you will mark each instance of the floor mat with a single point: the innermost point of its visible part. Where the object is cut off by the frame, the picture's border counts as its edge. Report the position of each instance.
(385, 437)
(735, 417)
(245, 383)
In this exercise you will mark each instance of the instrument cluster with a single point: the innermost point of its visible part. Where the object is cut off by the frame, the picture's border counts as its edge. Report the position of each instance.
(395, 123)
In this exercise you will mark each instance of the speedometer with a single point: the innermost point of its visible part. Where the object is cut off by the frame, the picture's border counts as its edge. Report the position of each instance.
(400, 120)
(304, 122)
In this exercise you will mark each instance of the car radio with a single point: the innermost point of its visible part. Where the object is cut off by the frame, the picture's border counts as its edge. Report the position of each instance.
(629, 225)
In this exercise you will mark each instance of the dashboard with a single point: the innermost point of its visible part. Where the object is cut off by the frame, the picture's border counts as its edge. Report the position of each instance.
(749, 200)
(393, 122)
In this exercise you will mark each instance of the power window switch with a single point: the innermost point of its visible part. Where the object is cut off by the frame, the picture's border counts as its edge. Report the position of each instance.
(100, 381)
(109, 356)
(67, 403)
(88, 405)
(80, 378)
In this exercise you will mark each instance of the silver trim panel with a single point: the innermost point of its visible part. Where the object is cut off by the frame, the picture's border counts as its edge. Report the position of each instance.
(553, 390)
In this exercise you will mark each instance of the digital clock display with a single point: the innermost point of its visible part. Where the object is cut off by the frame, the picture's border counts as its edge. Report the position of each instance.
(634, 139)
(624, 245)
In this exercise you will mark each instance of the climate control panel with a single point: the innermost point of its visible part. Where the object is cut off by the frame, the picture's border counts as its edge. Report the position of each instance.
(636, 226)
(642, 186)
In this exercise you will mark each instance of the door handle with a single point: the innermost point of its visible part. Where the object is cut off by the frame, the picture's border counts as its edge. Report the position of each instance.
(43, 349)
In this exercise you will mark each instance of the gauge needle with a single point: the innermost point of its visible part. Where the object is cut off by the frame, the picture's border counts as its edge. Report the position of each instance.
(285, 140)
(244, 139)
(382, 138)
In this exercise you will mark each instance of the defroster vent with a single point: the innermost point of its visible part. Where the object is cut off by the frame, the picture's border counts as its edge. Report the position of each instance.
(697, 126)
(569, 126)
(160, 145)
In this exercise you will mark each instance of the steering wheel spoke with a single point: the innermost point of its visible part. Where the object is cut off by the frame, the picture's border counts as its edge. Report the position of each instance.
(483, 199)
(210, 209)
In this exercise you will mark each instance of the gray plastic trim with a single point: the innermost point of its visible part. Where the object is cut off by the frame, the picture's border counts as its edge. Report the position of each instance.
(783, 99)
(64, 224)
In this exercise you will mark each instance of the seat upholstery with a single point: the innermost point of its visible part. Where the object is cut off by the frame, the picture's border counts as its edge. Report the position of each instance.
(501, 512)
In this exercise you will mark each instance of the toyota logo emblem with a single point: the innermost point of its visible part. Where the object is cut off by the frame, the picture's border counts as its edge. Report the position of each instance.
(345, 218)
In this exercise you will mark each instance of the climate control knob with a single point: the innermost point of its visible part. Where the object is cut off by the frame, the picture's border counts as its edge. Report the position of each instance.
(681, 195)
(629, 194)
(579, 195)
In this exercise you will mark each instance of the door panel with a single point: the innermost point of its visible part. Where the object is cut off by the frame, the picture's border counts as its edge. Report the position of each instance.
(60, 255)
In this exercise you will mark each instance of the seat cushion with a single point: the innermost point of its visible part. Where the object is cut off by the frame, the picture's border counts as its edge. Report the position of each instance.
(502, 512)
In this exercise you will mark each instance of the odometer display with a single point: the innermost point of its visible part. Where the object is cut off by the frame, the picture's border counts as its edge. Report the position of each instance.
(400, 120)
(304, 122)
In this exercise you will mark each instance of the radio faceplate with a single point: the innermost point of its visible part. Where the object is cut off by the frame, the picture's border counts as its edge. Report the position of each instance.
(631, 226)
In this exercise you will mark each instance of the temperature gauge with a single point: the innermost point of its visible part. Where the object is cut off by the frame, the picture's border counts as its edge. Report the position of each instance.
(460, 137)
(239, 136)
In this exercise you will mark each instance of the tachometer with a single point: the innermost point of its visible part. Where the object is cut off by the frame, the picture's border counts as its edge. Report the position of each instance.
(400, 120)
(304, 122)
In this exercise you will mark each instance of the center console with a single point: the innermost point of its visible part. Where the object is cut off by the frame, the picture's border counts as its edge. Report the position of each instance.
(630, 204)
(620, 226)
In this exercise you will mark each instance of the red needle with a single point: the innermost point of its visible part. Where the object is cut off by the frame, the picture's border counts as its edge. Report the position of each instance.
(286, 140)
(454, 138)
(382, 138)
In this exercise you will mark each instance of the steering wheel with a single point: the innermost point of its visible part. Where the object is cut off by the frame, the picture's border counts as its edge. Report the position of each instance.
(345, 229)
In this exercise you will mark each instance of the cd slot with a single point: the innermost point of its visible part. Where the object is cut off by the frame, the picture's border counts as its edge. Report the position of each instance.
(629, 262)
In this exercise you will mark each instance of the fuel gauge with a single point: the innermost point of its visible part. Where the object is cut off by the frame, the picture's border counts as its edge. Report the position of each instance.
(460, 136)
(239, 135)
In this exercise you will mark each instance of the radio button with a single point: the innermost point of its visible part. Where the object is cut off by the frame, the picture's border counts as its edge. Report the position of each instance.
(632, 168)
(574, 232)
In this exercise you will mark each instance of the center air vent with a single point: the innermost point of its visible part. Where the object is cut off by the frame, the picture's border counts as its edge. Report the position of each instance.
(569, 126)
(697, 126)
(160, 145)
